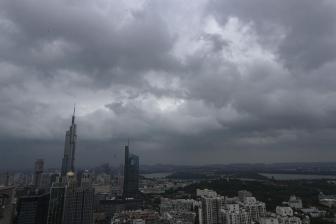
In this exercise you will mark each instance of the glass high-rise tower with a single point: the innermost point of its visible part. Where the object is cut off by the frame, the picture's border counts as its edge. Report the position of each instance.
(131, 175)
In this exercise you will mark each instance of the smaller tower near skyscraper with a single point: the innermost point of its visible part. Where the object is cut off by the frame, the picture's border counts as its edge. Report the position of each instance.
(131, 175)
(39, 164)
(70, 148)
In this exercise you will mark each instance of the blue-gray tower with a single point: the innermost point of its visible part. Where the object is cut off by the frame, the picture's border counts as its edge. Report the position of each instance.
(131, 175)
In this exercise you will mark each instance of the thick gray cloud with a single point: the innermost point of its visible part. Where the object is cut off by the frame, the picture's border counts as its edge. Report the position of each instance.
(190, 83)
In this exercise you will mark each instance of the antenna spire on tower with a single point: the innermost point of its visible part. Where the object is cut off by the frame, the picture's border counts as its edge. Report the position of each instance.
(73, 115)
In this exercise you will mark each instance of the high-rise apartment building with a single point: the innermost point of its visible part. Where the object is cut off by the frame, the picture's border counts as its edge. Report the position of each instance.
(256, 209)
(234, 214)
(131, 175)
(211, 207)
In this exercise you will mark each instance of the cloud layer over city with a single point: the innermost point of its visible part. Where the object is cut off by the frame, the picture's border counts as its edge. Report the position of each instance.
(189, 82)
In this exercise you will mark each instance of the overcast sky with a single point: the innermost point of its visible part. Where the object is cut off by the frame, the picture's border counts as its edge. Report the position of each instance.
(189, 82)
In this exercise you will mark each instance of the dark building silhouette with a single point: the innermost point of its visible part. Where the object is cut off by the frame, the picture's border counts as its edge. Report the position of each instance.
(56, 202)
(131, 175)
(33, 209)
(68, 162)
(7, 206)
(78, 201)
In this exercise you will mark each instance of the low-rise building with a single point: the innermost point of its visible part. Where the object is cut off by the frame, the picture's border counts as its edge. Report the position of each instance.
(206, 193)
(284, 211)
(7, 205)
(269, 220)
(136, 217)
(313, 212)
(295, 202)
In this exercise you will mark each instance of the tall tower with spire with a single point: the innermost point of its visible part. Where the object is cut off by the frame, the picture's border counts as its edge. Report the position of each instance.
(70, 148)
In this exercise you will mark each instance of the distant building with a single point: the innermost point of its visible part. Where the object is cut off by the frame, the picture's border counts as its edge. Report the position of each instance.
(242, 195)
(234, 214)
(109, 207)
(117, 184)
(289, 220)
(206, 193)
(269, 220)
(327, 200)
(211, 209)
(283, 216)
(33, 209)
(47, 179)
(7, 205)
(6, 179)
(178, 210)
(295, 202)
(131, 175)
(313, 212)
(256, 209)
(39, 164)
(284, 211)
(136, 217)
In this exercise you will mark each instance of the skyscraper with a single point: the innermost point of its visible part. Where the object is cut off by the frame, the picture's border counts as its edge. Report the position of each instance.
(38, 172)
(70, 203)
(69, 148)
(131, 175)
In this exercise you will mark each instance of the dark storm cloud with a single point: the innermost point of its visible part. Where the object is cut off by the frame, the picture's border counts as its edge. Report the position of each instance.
(310, 27)
(212, 79)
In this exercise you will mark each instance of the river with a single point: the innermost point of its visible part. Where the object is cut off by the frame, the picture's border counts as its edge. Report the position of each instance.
(283, 176)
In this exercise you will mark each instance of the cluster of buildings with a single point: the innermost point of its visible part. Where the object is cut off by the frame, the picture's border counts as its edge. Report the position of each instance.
(83, 197)
(136, 217)
(283, 215)
(69, 197)
(327, 200)
(63, 198)
(179, 210)
(161, 185)
(245, 209)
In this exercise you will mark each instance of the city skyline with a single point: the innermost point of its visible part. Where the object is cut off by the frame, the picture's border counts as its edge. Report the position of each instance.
(194, 83)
